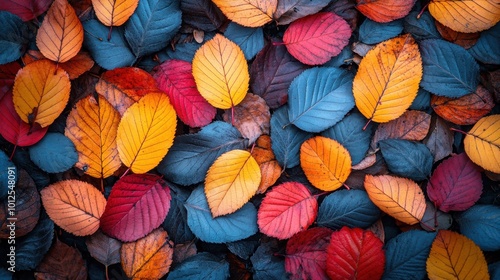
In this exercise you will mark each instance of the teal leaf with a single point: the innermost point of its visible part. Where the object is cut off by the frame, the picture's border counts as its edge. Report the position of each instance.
(250, 40)
(13, 38)
(54, 153)
(201, 266)
(176, 221)
(421, 27)
(372, 32)
(486, 48)
(31, 248)
(481, 223)
(267, 265)
(406, 158)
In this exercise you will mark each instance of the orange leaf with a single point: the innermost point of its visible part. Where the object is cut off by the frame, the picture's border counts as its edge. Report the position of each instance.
(388, 79)
(75, 67)
(482, 143)
(384, 10)
(114, 12)
(326, 163)
(250, 13)
(92, 126)
(231, 181)
(149, 257)
(270, 169)
(74, 205)
(454, 256)
(146, 132)
(401, 198)
(41, 91)
(466, 16)
(60, 37)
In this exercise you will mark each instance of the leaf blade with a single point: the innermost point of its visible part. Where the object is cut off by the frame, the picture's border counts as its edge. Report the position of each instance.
(482, 144)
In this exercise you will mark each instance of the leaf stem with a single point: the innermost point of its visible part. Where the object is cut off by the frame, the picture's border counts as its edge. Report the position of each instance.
(109, 33)
(423, 10)
(367, 123)
(13, 152)
(232, 115)
(346, 186)
(125, 173)
(458, 130)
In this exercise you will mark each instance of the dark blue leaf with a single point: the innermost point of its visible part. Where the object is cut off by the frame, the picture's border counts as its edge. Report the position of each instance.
(422, 27)
(13, 38)
(8, 174)
(286, 139)
(486, 48)
(202, 14)
(250, 40)
(481, 223)
(202, 266)
(54, 153)
(184, 51)
(422, 101)
(350, 133)
(109, 54)
(319, 98)
(244, 248)
(448, 69)
(494, 270)
(343, 58)
(406, 158)
(372, 32)
(406, 255)
(31, 249)
(6, 274)
(176, 221)
(228, 228)
(152, 25)
(266, 265)
(190, 157)
(23, 161)
(351, 208)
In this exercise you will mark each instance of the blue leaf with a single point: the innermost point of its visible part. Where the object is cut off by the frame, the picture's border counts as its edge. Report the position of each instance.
(349, 132)
(6, 179)
(448, 69)
(343, 58)
(244, 248)
(422, 101)
(320, 97)
(176, 221)
(421, 28)
(266, 265)
(202, 266)
(6, 274)
(351, 208)
(406, 158)
(152, 25)
(23, 161)
(250, 40)
(13, 38)
(108, 54)
(54, 153)
(481, 223)
(190, 157)
(494, 270)
(286, 139)
(372, 32)
(486, 48)
(184, 51)
(406, 255)
(228, 228)
(31, 248)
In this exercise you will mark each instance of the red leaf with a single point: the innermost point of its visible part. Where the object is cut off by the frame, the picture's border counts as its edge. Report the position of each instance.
(176, 79)
(385, 10)
(136, 206)
(7, 74)
(355, 254)
(13, 129)
(315, 39)
(306, 255)
(456, 184)
(25, 9)
(287, 209)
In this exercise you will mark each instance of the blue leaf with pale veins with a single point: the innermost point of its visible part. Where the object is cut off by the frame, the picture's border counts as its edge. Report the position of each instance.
(13, 38)
(407, 158)
(372, 32)
(481, 223)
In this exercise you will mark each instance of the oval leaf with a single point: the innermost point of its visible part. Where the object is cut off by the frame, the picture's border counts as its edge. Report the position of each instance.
(371, 32)
(484, 49)
(14, 38)
(481, 223)
(385, 11)
(114, 12)
(482, 144)
(201, 266)
(103, 248)
(250, 13)
(407, 158)
(31, 249)
(54, 153)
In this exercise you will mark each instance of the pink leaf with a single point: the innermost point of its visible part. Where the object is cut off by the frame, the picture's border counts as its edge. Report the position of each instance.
(25, 9)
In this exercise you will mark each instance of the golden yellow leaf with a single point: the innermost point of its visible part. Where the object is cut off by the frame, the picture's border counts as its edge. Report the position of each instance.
(92, 127)
(231, 181)
(146, 132)
(401, 198)
(221, 72)
(60, 37)
(466, 16)
(326, 163)
(250, 13)
(114, 12)
(41, 91)
(388, 79)
(482, 143)
(454, 256)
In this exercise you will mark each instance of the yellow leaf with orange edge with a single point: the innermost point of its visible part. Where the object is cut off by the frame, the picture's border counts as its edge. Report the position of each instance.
(75, 67)
(270, 169)
(388, 78)
(250, 13)
(467, 16)
(146, 132)
(41, 91)
(231, 181)
(114, 12)
(326, 163)
(482, 143)
(60, 37)
(220, 71)
(401, 198)
(92, 127)
(75, 206)
(454, 256)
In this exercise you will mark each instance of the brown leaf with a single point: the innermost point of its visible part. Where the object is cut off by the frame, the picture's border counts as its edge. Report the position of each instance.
(466, 40)
(103, 248)
(269, 166)
(440, 139)
(62, 262)
(491, 80)
(366, 162)
(378, 229)
(184, 251)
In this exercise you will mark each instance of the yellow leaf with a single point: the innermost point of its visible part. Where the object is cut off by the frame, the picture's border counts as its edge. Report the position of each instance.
(92, 127)
(401, 198)
(74, 205)
(231, 181)
(466, 16)
(114, 12)
(146, 132)
(388, 79)
(250, 13)
(221, 72)
(482, 143)
(326, 163)
(454, 256)
(41, 91)
(60, 37)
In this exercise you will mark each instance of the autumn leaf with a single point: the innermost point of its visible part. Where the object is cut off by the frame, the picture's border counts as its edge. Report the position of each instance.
(251, 13)
(384, 11)
(114, 12)
(482, 143)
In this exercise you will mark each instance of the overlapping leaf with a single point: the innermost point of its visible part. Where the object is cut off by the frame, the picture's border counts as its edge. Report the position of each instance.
(62, 261)
(482, 143)
(54, 153)
(270, 169)
(250, 40)
(289, 11)
(421, 26)
(484, 49)
(480, 223)
(31, 248)
(201, 266)
(372, 32)
(114, 12)
(465, 40)
(103, 248)
(25, 9)
(407, 158)
(202, 14)
(14, 39)
(440, 139)
(384, 11)
(7, 74)
(250, 13)
(176, 221)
